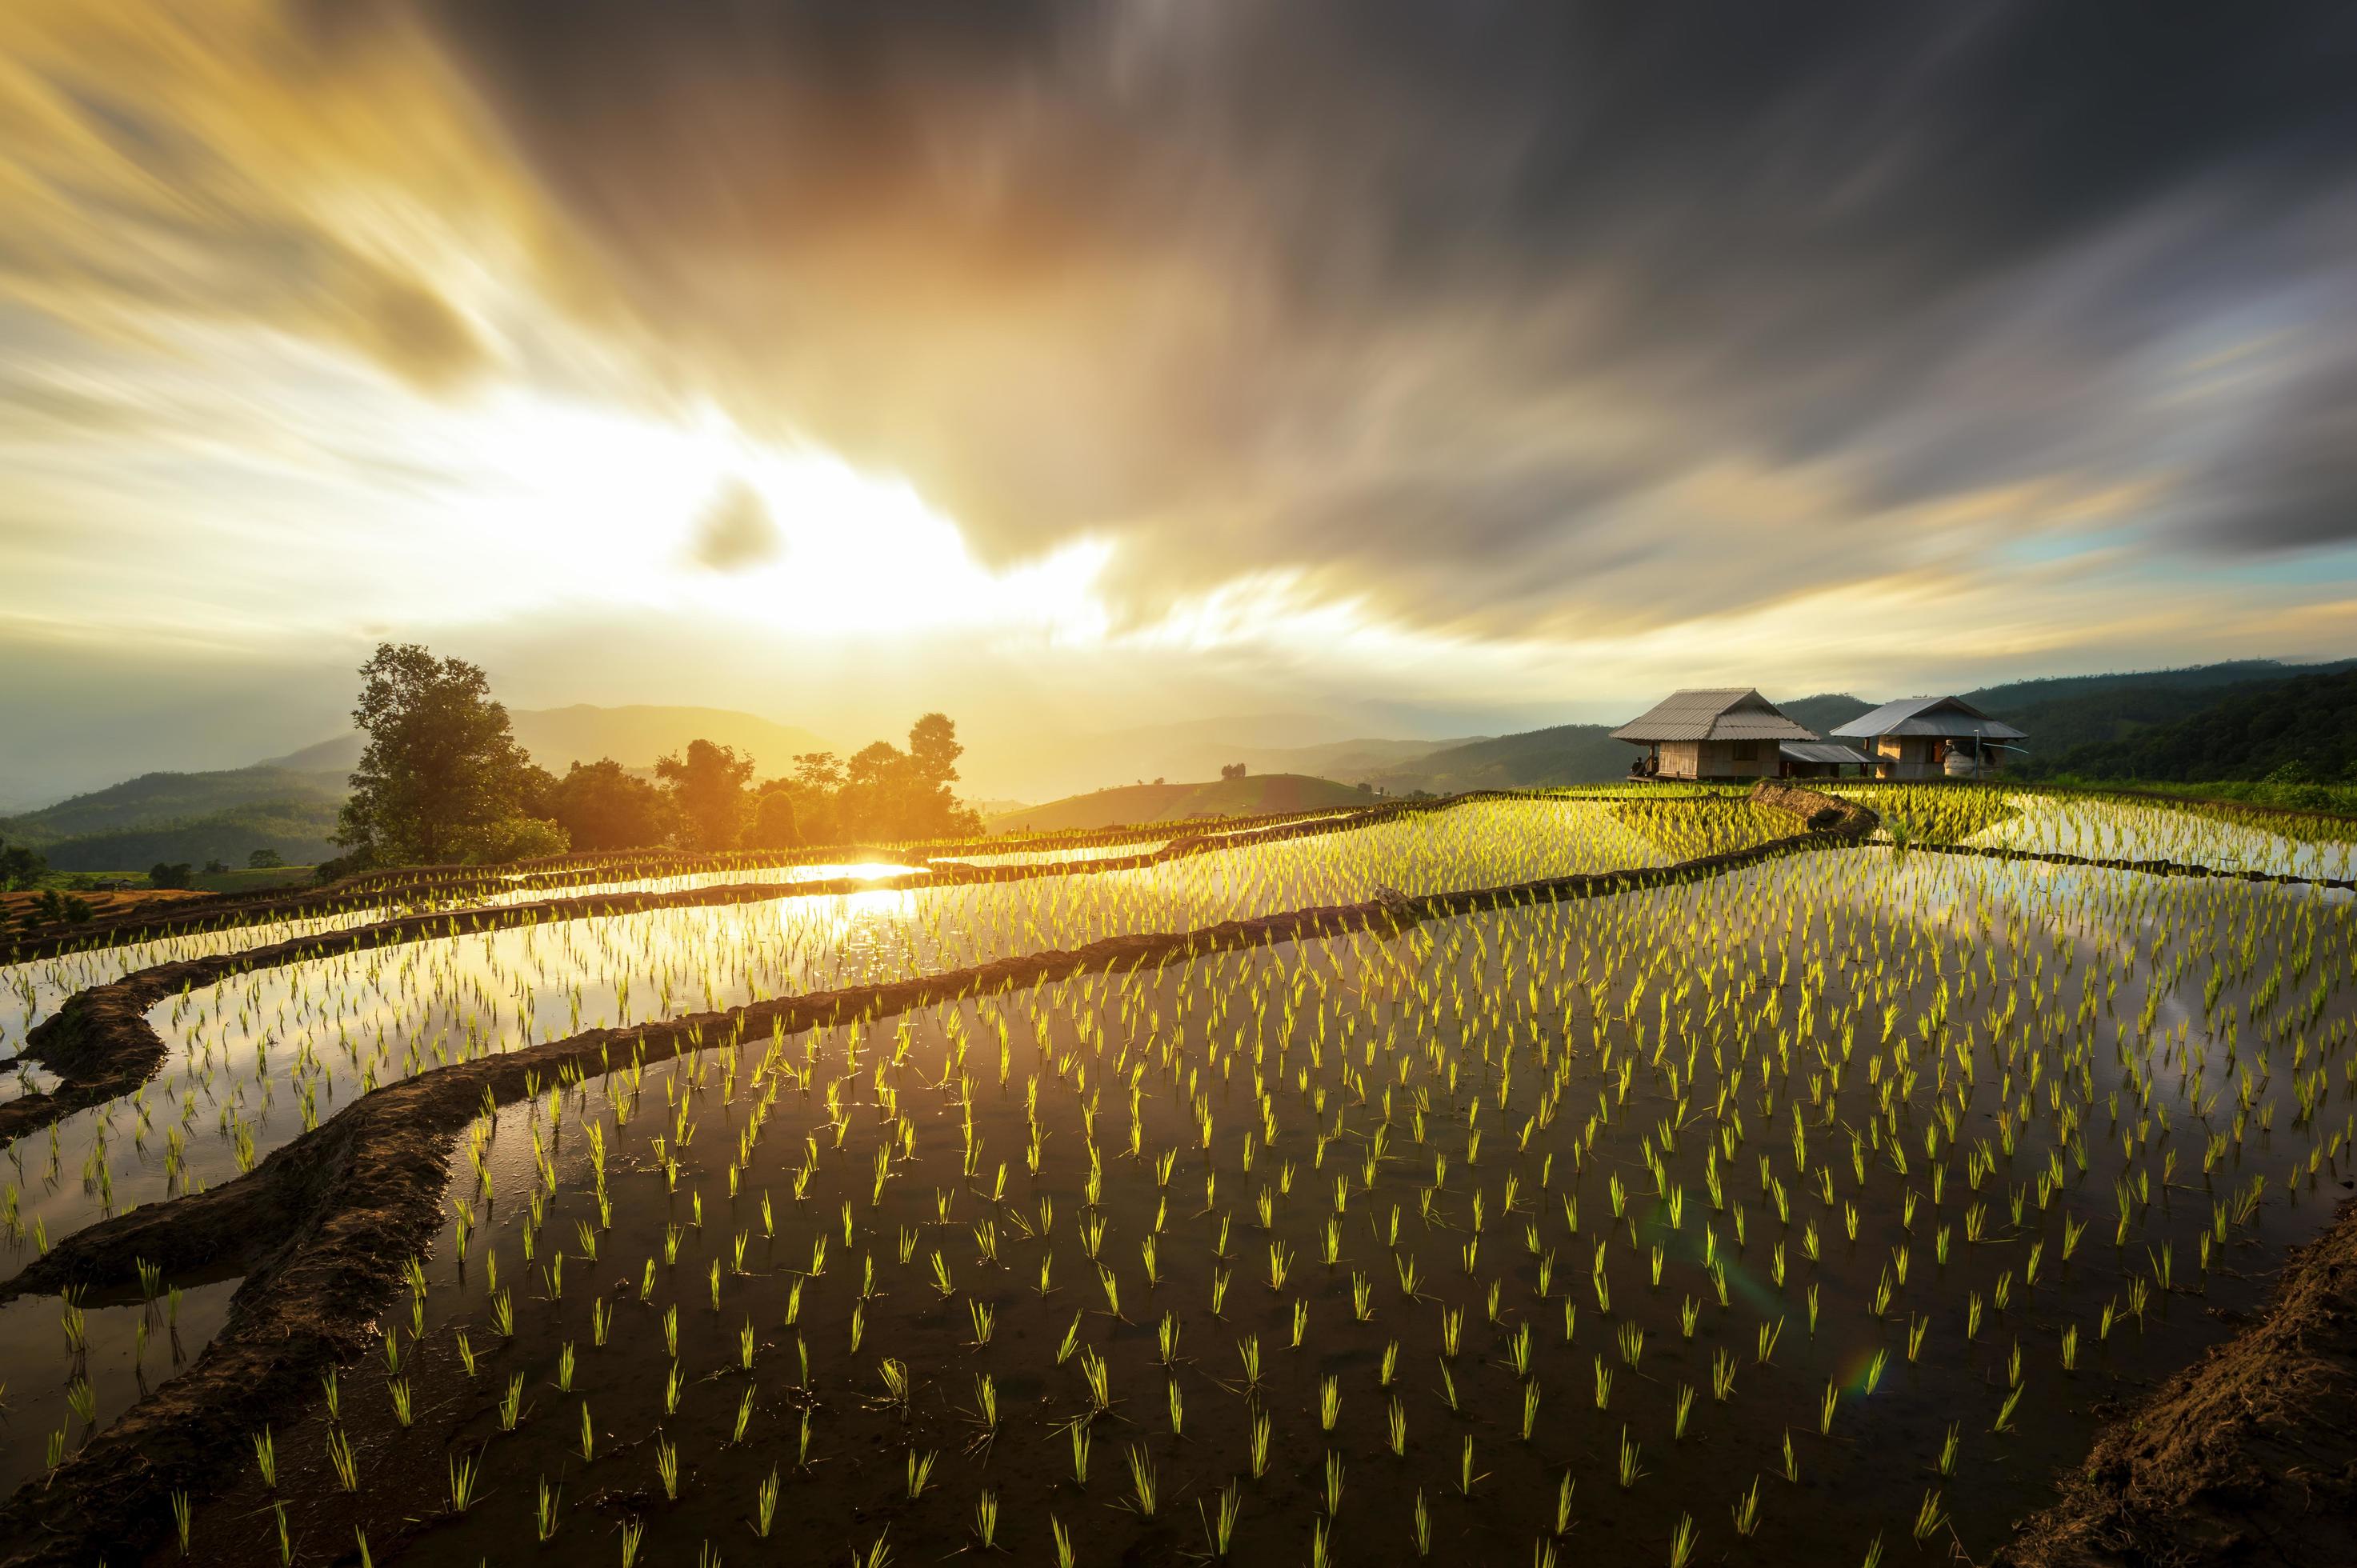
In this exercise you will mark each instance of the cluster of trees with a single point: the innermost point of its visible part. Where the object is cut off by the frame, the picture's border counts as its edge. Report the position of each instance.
(2298, 738)
(21, 868)
(442, 779)
(53, 907)
(1232, 770)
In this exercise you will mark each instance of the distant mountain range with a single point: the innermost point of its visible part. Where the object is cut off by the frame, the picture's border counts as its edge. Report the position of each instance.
(632, 735)
(1256, 794)
(2060, 714)
(2218, 720)
(288, 804)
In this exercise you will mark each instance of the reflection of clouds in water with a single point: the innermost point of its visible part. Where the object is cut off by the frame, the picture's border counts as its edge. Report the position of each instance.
(2123, 830)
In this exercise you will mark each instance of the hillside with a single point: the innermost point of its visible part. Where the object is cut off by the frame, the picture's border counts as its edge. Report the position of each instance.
(1828, 711)
(1565, 754)
(172, 797)
(1250, 796)
(632, 735)
(2243, 732)
(297, 829)
(2070, 711)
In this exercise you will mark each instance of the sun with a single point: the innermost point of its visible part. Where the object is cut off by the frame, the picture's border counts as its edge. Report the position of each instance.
(611, 505)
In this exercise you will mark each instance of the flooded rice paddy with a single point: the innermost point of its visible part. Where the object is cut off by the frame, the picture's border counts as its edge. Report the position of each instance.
(1822, 1209)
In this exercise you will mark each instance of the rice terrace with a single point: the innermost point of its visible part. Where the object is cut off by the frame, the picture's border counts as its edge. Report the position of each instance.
(1293, 783)
(1648, 1172)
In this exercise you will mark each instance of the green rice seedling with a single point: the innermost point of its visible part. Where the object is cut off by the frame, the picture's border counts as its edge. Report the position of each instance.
(344, 1463)
(1099, 1377)
(920, 1471)
(1685, 1408)
(1333, 1484)
(1079, 1430)
(1447, 1387)
(1330, 1402)
(1631, 1471)
(1064, 1558)
(1141, 1481)
(1423, 1526)
(1603, 1385)
(462, 1484)
(1390, 1364)
(1220, 1529)
(183, 1517)
(1396, 1424)
(466, 1352)
(986, 1518)
(1722, 1374)
(1563, 1491)
(511, 1403)
(266, 1458)
(588, 1436)
(1681, 1542)
(633, 1533)
(1260, 1434)
(1465, 1475)
(667, 1466)
(1792, 1461)
(1745, 1510)
(545, 1520)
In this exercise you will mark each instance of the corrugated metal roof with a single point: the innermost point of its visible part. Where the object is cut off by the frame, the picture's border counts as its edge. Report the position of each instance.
(1929, 715)
(1824, 751)
(1714, 713)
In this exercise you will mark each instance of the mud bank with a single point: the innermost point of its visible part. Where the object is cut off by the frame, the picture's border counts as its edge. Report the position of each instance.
(2249, 1457)
(323, 1227)
(2150, 868)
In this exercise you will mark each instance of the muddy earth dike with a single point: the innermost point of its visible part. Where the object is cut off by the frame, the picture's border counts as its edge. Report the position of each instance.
(323, 1227)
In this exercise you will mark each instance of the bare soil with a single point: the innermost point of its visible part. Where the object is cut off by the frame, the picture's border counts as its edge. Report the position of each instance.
(2249, 1457)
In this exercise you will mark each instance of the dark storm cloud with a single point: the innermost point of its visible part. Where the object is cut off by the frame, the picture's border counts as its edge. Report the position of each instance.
(1440, 296)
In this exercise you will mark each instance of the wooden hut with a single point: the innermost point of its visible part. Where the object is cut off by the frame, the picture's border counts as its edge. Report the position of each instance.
(1728, 732)
(1934, 737)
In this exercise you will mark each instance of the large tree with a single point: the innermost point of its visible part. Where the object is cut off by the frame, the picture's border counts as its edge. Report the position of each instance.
(889, 793)
(602, 805)
(707, 786)
(442, 777)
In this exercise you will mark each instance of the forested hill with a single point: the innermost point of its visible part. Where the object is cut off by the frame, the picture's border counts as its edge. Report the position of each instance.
(196, 817)
(2245, 731)
(2065, 713)
(1256, 794)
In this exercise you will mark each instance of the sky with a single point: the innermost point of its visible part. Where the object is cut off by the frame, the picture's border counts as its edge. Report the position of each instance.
(1416, 368)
